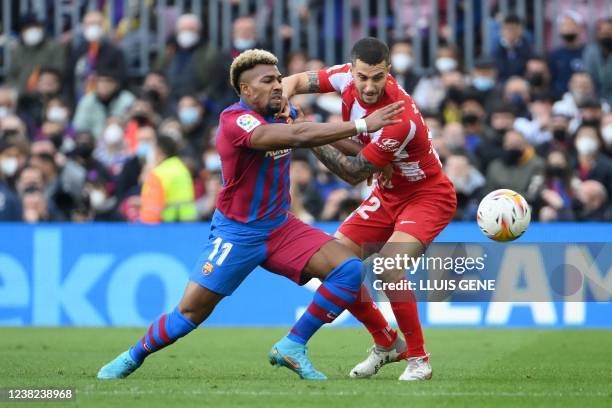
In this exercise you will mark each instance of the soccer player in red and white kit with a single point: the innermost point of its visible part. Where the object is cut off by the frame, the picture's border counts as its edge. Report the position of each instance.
(412, 201)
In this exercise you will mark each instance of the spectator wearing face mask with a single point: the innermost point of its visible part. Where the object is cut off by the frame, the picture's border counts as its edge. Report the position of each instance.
(538, 75)
(559, 134)
(516, 168)
(155, 88)
(129, 181)
(402, 65)
(56, 125)
(92, 51)
(431, 89)
(473, 119)
(112, 149)
(191, 115)
(552, 194)
(108, 99)
(606, 134)
(10, 205)
(244, 36)
(167, 193)
(468, 183)
(565, 60)
(591, 164)
(192, 64)
(33, 51)
(598, 61)
(101, 202)
(517, 92)
(483, 82)
(512, 50)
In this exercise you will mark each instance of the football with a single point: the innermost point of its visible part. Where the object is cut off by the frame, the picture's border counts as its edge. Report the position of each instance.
(503, 215)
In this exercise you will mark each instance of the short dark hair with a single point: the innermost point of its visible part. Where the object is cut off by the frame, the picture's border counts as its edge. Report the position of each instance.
(370, 50)
(512, 19)
(167, 145)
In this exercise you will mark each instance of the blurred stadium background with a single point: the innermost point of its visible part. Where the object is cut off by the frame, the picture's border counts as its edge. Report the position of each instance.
(516, 94)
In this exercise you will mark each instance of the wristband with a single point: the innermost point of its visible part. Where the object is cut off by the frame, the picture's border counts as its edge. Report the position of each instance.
(361, 126)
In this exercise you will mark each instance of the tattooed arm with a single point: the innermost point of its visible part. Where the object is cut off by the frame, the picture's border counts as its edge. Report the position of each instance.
(351, 169)
(302, 83)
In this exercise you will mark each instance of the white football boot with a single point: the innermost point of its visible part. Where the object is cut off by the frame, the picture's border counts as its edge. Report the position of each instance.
(379, 356)
(418, 369)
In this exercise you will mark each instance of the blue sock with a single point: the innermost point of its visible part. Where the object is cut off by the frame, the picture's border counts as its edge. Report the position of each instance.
(163, 332)
(338, 291)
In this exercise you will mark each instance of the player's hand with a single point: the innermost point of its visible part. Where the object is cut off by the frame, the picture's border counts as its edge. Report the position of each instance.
(383, 117)
(385, 176)
(300, 115)
(285, 111)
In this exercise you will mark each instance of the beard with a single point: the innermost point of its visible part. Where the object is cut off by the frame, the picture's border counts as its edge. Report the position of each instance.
(272, 108)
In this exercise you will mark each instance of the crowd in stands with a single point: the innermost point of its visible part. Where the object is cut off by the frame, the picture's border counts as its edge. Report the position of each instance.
(81, 140)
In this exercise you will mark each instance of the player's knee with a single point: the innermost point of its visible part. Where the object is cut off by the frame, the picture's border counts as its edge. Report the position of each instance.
(348, 274)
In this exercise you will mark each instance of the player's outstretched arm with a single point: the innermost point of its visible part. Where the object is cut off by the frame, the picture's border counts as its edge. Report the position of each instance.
(353, 170)
(302, 83)
(276, 136)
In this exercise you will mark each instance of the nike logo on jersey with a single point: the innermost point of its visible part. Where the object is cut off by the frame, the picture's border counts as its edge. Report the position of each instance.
(407, 222)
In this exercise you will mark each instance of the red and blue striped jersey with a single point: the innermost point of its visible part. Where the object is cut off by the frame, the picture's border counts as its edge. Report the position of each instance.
(255, 182)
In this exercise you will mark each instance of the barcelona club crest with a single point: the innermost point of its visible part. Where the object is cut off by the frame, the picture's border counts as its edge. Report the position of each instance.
(207, 268)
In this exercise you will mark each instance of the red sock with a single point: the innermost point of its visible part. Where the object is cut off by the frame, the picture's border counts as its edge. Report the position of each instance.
(366, 311)
(404, 307)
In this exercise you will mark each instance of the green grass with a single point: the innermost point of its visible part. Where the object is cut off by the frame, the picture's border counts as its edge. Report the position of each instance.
(228, 367)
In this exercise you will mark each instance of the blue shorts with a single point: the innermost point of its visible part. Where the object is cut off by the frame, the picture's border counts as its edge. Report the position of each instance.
(234, 249)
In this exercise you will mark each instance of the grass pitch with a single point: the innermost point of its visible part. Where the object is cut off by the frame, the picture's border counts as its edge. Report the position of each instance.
(228, 367)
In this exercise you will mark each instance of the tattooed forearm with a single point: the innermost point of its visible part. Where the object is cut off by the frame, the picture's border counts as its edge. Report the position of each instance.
(351, 169)
(313, 82)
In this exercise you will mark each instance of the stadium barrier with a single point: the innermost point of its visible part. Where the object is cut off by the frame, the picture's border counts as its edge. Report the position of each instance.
(325, 30)
(126, 275)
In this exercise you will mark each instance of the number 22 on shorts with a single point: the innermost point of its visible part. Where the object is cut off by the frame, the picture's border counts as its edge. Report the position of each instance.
(372, 204)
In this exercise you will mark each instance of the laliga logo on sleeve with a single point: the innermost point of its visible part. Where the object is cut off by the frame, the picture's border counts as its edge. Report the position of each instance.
(247, 122)
(389, 144)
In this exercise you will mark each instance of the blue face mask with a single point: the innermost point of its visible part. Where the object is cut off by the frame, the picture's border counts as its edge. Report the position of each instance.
(143, 149)
(483, 83)
(188, 116)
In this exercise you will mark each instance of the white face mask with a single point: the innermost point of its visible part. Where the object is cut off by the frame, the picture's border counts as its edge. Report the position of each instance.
(97, 198)
(4, 112)
(33, 36)
(606, 133)
(445, 64)
(187, 39)
(243, 43)
(113, 134)
(57, 114)
(93, 33)
(9, 166)
(401, 62)
(587, 146)
(213, 162)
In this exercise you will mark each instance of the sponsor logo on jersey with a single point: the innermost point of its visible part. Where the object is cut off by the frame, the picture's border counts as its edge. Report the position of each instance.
(247, 122)
(278, 153)
(207, 268)
(389, 144)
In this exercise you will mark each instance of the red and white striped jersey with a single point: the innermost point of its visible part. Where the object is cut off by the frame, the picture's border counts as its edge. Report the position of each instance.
(407, 144)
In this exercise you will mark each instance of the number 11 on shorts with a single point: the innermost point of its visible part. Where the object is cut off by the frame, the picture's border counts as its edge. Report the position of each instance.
(225, 250)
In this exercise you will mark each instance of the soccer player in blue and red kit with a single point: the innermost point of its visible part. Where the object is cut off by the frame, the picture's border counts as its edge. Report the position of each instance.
(252, 225)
